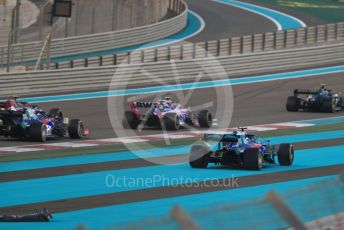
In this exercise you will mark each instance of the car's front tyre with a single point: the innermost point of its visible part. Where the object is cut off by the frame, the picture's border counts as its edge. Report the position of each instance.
(171, 121)
(205, 119)
(293, 104)
(285, 154)
(329, 105)
(252, 159)
(75, 129)
(38, 132)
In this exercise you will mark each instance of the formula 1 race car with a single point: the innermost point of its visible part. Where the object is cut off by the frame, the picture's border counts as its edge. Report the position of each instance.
(238, 148)
(22, 120)
(165, 113)
(322, 100)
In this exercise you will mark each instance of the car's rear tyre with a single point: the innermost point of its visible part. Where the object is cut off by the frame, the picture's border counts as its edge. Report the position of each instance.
(171, 121)
(252, 159)
(329, 105)
(205, 119)
(130, 120)
(56, 113)
(285, 154)
(198, 157)
(75, 129)
(293, 104)
(38, 132)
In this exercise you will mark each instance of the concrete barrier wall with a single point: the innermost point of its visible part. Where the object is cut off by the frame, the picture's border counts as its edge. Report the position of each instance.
(100, 78)
(23, 52)
(90, 17)
(231, 46)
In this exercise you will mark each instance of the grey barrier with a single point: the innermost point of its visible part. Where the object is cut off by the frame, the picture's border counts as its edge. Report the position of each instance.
(237, 45)
(100, 78)
(24, 52)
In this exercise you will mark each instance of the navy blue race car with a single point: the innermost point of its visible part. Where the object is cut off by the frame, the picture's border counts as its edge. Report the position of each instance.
(319, 100)
(238, 148)
(22, 120)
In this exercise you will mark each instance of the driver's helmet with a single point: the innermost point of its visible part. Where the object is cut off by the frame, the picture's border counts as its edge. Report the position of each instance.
(164, 105)
(248, 140)
(29, 116)
(322, 89)
(173, 106)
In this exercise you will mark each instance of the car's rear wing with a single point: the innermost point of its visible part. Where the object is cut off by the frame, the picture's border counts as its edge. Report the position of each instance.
(144, 104)
(305, 91)
(220, 137)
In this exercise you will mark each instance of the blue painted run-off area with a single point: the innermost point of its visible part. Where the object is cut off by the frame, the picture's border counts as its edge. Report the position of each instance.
(282, 21)
(147, 153)
(105, 217)
(112, 181)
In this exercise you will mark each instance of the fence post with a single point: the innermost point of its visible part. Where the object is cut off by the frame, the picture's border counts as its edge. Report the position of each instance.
(306, 36)
(229, 46)
(275, 40)
(194, 50)
(71, 63)
(218, 48)
(86, 62)
(155, 55)
(336, 31)
(206, 48)
(142, 56)
(181, 52)
(56, 65)
(284, 211)
(326, 33)
(100, 60)
(263, 41)
(241, 44)
(183, 219)
(115, 59)
(295, 37)
(252, 43)
(285, 38)
(316, 34)
(168, 53)
(128, 59)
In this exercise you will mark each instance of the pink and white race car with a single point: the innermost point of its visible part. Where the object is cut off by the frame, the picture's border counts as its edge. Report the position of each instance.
(165, 113)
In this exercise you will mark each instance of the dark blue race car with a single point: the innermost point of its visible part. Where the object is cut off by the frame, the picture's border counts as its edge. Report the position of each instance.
(25, 121)
(319, 100)
(238, 148)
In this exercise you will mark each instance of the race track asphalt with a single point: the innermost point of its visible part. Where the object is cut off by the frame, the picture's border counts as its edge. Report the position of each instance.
(254, 104)
(223, 21)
